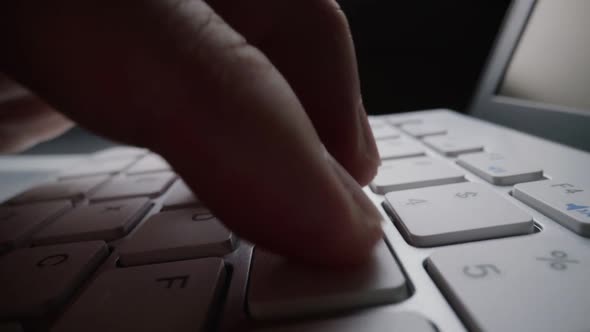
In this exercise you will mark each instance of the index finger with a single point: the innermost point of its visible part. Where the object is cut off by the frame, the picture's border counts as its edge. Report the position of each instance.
(310, 43)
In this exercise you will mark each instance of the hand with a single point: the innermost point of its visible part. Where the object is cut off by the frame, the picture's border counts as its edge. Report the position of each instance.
(25, 120)
(256, 104)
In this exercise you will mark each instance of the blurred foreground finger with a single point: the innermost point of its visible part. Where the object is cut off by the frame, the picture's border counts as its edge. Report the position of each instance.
(174, 77)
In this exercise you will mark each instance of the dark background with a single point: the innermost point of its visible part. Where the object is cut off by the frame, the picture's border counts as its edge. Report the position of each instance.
(413, 54)
(422, 54)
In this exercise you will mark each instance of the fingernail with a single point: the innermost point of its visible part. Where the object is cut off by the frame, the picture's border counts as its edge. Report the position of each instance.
(369, 216)
(368, 141)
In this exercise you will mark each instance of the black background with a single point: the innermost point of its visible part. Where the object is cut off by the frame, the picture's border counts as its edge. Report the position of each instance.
(421, 54)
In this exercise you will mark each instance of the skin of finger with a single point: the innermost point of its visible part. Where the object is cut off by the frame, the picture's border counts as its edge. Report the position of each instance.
(310, 43)
(27, 121)
(10, 90)
(172, 76)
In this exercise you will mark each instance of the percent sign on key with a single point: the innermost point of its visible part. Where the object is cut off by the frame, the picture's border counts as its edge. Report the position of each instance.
(558, 260)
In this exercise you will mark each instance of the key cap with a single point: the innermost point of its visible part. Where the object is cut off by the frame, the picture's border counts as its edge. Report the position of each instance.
(18, 223)
(376, 121)
(149, 185)
(413, 173)
(148, 164)
(452, 146)
(379, 321)
(565, 202)
(284, 289)
(179, 196)
(381, 131)
(522, 284)
(98, 167)
(456, 213)
(398, 148)
(500, 170)
(69, 189)
(397, 120)
(420, 130)
(120, 152)
(37, 280)
(177, 235)
(104, 221)
(179, 296)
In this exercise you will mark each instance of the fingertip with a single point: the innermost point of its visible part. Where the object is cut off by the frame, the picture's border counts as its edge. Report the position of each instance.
(370, 144)
(352, 245)
(343, 252)
(363, 161)
(348, 255)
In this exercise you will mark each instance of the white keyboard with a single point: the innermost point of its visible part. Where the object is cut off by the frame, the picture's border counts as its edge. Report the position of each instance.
(485, 229)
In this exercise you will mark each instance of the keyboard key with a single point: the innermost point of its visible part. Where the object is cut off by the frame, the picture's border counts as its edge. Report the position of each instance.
(565, 202)
(365, 321)
(452, 146)
(149, 185)
(103, 221)
(499, 169)
(397, 120)
(284, 289)
(18, 223)
(40, 279)
(178, 296)
(177, 235)
(420, 130)
(98, 167)
(413, 173)
(398, 148)
(179, 196)
(125, 152)
(376, 121)
(456, 213)
(148, 164)
(381, 131)
(526, 284)
(68, 189)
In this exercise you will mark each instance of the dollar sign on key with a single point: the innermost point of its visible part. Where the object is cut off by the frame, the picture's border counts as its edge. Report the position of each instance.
(466, 194)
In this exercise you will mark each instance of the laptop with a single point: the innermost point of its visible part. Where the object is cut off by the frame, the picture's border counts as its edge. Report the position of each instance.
(486, 219)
